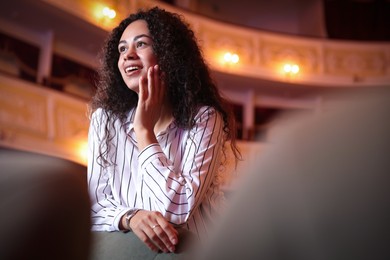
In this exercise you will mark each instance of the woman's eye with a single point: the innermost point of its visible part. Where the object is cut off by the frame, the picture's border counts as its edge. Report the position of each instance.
(122, 49)
(140, 44)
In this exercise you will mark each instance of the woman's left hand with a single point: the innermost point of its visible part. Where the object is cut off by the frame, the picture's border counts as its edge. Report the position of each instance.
(154, 230)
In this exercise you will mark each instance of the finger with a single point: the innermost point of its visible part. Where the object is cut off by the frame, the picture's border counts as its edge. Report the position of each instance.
(142, 89)
(169, 235)
(154, 236)
(150, 82)
(162, 234)
(168, 228)
(157, 81)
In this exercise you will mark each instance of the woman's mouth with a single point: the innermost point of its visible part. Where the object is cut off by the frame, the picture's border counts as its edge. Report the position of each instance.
(131, 69)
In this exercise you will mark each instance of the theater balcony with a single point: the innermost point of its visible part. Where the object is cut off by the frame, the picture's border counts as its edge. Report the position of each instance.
(274, 57)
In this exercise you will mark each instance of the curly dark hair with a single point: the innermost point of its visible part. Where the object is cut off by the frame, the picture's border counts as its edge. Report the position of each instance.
(186, 75)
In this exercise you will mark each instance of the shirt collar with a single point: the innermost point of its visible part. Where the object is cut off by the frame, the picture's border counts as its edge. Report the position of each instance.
(129, 125)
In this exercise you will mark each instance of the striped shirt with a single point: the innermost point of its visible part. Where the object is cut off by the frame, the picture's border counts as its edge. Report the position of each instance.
(178, 176)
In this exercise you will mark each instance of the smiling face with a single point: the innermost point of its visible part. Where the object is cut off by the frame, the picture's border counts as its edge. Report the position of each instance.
(136, 53)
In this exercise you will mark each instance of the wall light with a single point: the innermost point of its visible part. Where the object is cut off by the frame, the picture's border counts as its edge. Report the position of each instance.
(231, 57)
(108, 12)
(291, 68)
(104, 15)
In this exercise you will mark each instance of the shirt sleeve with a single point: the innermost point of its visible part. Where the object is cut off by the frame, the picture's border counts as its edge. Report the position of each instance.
(177, 189)
(105, 211)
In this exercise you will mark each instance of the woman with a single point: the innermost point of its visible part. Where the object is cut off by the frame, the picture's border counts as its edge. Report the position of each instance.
(157, 133)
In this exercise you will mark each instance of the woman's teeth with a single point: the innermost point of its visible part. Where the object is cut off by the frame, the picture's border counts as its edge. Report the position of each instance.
(131, 68)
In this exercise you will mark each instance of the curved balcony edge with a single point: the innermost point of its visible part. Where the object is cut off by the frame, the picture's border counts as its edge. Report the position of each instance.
(262, 54)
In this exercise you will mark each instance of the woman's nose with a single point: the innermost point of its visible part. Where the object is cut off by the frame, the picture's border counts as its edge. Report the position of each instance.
(131, 54)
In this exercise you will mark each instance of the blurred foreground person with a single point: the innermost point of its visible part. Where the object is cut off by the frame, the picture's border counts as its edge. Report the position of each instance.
(320, 191)
(44, 208)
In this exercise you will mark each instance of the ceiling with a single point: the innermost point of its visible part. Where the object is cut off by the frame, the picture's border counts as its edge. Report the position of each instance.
(366, 20)
(42, 17)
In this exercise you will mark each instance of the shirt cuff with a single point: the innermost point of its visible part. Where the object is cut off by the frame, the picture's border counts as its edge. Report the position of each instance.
(117, 219)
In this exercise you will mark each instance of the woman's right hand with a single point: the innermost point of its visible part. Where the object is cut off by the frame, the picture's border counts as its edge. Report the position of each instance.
(154, 230)
(150, 102)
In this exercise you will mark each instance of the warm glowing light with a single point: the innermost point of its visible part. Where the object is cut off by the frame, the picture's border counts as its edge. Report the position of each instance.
(227, 57)
(287, 68)
(291, 68)
(295, 69)
(82, 151)
(104, 15)
(235, 58)
(108, 12)
(231, 57)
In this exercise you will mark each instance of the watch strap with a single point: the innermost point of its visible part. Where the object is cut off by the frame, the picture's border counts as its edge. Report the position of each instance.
(129, 215)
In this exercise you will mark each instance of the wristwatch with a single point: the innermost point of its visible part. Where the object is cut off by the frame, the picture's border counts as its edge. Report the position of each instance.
(129, 215)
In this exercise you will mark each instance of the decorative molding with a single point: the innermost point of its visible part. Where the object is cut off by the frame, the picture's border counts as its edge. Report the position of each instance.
(41, 120)
(275, 53)
(363, 62)
(23, 110)
(70, 120)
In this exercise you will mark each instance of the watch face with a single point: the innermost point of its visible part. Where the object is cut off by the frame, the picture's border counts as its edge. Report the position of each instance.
(128, 214)
(131, 213)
